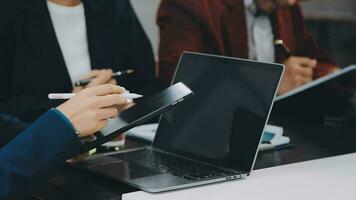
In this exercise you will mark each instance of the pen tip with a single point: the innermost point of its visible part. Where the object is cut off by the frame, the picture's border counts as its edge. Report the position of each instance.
(130, 71)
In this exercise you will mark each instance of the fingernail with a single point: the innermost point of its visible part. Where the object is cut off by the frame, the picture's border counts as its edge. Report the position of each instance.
(129, 100)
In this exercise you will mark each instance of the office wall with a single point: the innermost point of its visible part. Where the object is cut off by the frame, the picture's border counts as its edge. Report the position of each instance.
(146, 11)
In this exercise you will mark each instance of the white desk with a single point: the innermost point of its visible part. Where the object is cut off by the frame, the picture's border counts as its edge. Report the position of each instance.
(331, 178)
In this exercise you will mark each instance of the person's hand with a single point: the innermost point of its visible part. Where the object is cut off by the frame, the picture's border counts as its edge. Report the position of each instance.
(91, 108)
(298, 71)
(97, 77)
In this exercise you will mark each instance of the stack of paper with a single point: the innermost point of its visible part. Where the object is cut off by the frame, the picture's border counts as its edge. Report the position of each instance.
(273, 138)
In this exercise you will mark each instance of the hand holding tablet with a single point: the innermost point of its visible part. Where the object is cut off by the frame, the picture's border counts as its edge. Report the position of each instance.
(143, 111)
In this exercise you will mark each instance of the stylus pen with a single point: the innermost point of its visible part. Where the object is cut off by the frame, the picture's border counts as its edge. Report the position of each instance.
(64, 96)
(119, 73)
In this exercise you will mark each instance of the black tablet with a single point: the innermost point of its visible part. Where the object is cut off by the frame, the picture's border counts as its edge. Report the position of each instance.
(144, 110)
(332, 97)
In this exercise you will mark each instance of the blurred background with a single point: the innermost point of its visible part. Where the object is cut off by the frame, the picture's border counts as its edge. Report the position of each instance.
(332, 22)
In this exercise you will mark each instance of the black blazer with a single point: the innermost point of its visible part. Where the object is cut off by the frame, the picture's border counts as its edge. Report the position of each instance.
(32, 65)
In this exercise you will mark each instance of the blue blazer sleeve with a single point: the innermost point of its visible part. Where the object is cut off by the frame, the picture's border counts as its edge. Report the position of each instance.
(34, 155)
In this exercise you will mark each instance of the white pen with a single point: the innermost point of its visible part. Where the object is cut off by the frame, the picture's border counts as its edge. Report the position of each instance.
(63, 96)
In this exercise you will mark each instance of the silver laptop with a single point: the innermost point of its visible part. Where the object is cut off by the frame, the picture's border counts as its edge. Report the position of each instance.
(211, 137)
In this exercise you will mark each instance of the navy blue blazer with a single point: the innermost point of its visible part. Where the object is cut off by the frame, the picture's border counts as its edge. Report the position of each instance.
(32, 63)
(34, 155)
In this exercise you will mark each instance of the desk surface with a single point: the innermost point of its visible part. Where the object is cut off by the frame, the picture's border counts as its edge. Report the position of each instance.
(310, 143)
(327, 179)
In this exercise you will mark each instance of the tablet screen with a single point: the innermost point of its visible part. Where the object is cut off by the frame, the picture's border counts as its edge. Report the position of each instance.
(143, 110)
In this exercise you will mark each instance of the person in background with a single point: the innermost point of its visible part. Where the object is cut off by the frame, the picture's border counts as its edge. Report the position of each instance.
(48, 45)
(35, 154)
(263, 30)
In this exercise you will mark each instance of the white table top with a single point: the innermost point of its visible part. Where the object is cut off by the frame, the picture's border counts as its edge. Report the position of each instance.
(330, 178)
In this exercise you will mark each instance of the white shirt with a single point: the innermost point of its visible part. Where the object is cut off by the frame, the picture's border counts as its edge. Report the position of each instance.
(260, 34)
(70, 28)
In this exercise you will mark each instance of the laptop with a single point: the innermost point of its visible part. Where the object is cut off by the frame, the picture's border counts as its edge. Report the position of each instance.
(211, 138)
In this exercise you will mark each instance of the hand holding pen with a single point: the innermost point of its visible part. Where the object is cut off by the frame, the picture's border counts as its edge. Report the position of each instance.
(98, 77)
(298, 71)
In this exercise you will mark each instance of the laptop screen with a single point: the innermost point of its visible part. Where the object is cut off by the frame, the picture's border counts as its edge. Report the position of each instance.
(223, 123)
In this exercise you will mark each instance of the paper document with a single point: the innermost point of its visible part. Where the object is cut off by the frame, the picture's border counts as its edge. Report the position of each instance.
(315, 83)
(273, 138)
(277, 130)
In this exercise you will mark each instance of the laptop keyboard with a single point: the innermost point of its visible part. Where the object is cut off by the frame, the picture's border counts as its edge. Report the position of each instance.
(177, 166)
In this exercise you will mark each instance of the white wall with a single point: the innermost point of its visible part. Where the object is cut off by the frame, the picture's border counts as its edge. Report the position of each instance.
(147, 12)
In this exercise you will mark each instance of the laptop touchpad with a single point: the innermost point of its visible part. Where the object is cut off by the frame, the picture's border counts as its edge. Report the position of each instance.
(125, 170)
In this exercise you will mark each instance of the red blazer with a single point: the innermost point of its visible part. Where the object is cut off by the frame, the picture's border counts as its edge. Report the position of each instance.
(219, 27)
